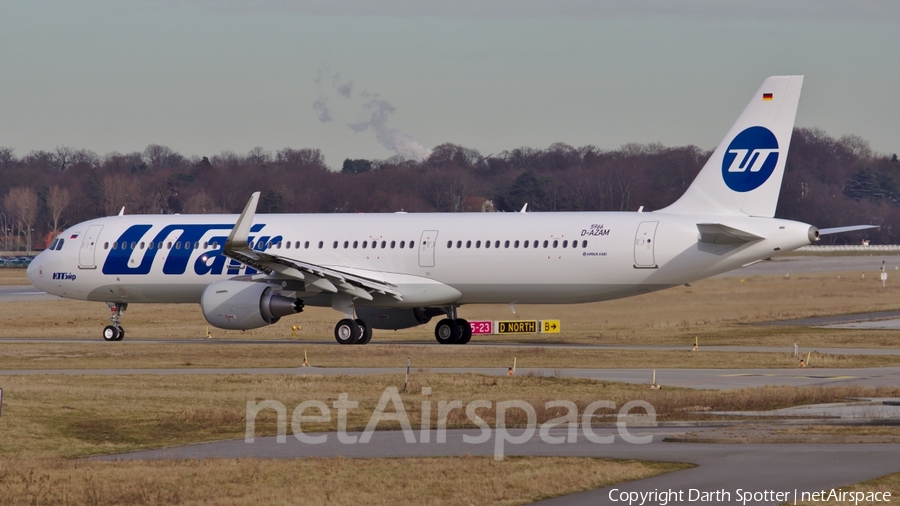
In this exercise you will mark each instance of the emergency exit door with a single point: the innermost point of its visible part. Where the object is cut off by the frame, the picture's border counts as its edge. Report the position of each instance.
(426, 248)
(644, 244)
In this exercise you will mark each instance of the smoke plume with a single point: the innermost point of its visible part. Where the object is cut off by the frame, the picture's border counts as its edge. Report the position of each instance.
(377, 110)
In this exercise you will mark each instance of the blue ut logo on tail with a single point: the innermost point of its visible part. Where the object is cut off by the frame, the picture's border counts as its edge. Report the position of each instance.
(750, 159)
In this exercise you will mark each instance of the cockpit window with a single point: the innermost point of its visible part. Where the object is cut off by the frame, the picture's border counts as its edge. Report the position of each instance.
(59, 245)
(53, 244)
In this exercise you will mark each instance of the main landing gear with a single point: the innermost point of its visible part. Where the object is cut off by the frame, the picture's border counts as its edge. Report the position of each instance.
(348, 331)
(115, 332)
(453, 330)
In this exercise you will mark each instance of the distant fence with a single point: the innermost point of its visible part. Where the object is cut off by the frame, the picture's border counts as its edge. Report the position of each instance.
(16, 261)
(856, 248)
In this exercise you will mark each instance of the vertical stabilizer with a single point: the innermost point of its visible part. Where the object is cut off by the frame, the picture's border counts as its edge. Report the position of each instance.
(743, 175)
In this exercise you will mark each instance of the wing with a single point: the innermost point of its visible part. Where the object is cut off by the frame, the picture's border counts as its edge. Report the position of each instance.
(316, 277)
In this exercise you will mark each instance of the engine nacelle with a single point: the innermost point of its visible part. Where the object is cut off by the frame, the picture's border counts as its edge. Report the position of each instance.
(392, 318)
(243, 305)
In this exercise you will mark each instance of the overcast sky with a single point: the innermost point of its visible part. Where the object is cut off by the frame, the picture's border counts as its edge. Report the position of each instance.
(369, 79)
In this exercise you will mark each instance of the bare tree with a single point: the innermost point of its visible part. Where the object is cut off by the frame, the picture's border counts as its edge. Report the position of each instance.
(6, 156)
(201, 203)
(63, 157)
(57, 202)
(117, 190)
(22, 203)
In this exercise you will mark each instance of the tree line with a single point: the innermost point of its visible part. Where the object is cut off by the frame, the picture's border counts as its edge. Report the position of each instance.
(828, 182)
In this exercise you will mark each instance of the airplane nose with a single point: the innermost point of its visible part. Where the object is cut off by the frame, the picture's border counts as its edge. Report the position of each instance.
(34, 271)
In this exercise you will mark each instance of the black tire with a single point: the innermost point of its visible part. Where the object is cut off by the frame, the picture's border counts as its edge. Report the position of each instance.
(121, 334)
(365, 332)
(465, 331)
(346, 331)
(110, 333)
(447, 331)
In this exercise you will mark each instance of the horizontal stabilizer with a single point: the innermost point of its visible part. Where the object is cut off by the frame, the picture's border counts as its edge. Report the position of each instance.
(840, 230)
(716, 233)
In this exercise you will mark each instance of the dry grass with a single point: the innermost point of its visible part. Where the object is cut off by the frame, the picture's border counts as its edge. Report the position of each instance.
(889, 483)
(102, 355)
(843, 430)
(414, 481)
(715, 309)
(60, 416)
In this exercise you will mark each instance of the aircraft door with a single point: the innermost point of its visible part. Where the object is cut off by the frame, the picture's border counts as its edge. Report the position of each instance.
(426, 248)
(644, 243)
(89, 247)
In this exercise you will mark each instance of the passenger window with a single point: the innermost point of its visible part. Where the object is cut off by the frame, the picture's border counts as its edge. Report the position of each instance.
(487, 244)
(355, 244)
(459, 244)
(169, 245)
(393, 243)
(449, 244)
(566, 243)
(305, 245)
(545, 244)
(178, 245)
(106, 245)
(365, 243)
(525, 244)
(402, 244)
(383, 244)
(555, 243)
(142, 244)
(150, 245)
(205, 245)
(574, 244)
(506, 244)
(516, 244)
(287, 245)
(584, 243)
(478, 244)
(496, 244)
(468, 244)
(536, 244)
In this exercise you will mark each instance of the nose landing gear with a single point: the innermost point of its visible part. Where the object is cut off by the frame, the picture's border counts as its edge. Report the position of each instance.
(115, 332)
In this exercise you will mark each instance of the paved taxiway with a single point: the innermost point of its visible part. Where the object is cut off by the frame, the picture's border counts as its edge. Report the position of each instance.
(714, 379)
(752, 467)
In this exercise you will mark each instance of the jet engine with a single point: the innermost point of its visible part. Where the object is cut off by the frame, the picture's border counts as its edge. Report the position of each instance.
(242, 305)
(393, 318)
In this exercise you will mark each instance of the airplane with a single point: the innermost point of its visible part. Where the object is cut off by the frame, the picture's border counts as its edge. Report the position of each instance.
(400, 270)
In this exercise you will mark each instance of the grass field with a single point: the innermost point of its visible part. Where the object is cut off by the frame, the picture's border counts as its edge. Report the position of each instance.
(889, 483)
(460, 481)
(102, 355)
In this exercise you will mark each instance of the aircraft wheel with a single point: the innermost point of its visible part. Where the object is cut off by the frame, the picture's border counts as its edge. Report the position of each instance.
(346, 331)
(110, 333)
(465, 331)
(365, 333)
(121, 333)
(447, 331)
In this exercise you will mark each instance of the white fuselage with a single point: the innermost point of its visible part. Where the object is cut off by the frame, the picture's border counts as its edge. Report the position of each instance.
(444, 259)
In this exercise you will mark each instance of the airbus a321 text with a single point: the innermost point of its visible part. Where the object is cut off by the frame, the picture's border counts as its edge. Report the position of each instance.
(393, 271)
